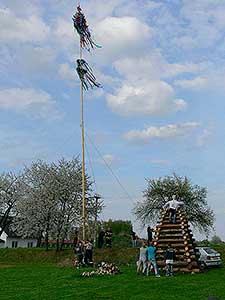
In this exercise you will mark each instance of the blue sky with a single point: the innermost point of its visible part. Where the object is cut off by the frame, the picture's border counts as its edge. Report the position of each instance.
(161, 109)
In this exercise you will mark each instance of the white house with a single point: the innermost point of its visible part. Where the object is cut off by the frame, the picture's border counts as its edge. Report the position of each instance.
(9, 239)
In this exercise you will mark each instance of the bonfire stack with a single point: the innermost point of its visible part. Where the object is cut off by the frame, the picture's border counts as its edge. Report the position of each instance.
(181, 239)
(103, 269)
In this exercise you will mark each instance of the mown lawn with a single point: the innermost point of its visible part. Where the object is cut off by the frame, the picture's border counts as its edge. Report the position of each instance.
(38, 281)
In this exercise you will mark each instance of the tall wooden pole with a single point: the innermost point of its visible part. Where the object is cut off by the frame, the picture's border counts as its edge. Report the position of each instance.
(83, 157)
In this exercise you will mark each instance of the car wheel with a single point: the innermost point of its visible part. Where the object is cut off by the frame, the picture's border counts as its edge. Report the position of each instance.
(202, 266)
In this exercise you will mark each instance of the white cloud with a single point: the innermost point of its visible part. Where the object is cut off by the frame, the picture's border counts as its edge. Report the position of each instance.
(15, 29)
(152, 66)
(35, 61)
(66, 36)
(145, 98)
(197, 83)
(142, 90)
(121, 37)
(209, 79)
(19, 147)
(170, 131)
(204, 137)
(109, 159)
(180, 105)
(23, 8)
(67, 73)
(35, 102)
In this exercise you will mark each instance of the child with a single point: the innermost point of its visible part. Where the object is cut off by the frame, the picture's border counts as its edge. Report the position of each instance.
(169, 257)
(152, 260)
(141, 264)
(79, 250)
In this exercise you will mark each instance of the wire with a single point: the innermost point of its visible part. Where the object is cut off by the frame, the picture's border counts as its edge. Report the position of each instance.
(91, 166)
(110, 169)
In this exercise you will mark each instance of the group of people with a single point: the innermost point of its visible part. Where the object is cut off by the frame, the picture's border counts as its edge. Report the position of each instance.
(147, 254)
(84, 252)
(147, 259)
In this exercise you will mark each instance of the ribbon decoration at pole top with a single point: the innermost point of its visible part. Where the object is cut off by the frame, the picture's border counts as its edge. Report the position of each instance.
(86, 75)
(80, 24)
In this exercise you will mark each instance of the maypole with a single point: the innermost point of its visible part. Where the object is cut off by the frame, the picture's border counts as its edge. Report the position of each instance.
(87, 80)
(82, 151)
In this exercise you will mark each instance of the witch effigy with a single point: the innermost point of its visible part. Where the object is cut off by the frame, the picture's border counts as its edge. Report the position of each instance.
(81, 26)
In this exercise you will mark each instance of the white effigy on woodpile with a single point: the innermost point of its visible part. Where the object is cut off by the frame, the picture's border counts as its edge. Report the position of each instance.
(103, 269)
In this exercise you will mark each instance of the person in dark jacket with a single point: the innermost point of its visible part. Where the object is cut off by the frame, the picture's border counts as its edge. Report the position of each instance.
(88, 253)
(133, 239)
(79, 250)
(169, 257)
(149, 234)
(101, 238)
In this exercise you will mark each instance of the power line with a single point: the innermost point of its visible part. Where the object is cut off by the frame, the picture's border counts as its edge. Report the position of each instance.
(91, 166)
(110, 169)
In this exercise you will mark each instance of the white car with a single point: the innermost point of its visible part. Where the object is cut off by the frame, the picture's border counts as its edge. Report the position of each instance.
(208, 257)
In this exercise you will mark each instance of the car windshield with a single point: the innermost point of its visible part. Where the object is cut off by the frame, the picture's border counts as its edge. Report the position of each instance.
(210, 251)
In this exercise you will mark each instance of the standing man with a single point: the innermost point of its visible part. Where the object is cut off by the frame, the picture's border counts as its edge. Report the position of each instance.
(134, 239)
(108, 238)
(149, 234)
(101, 238)
(172, 207)
(152, 259)
(169, 257)
(88, 254)
(75, 240)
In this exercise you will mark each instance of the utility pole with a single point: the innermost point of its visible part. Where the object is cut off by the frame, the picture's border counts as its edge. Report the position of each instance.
(97, 198)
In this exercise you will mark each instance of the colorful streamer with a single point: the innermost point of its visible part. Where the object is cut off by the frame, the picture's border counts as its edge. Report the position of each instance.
(86, 75)
(80, 24)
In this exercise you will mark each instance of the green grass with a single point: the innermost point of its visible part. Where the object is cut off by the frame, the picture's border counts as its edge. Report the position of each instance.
(31, 274)
(39, 255)
(32, 282)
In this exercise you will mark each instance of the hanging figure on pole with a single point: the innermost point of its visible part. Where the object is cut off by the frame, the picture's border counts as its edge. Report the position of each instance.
(80, 24)
(86, 75)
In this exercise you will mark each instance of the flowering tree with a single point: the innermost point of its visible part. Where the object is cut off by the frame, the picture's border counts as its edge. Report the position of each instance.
(11, 192)
(194, 197)
(52, 203)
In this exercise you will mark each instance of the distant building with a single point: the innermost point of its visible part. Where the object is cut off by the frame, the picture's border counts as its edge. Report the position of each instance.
(9, 239)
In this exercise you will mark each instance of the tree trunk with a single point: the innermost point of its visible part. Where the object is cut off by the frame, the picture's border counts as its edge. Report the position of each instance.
(47, 233)
(57, 244)
(39, 240)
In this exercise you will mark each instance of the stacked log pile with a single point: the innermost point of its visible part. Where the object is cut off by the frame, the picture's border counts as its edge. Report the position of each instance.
(181, 239)
(103, 269)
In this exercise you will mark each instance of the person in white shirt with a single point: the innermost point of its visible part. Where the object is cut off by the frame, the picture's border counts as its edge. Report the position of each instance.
(142, 261)
(172, 206)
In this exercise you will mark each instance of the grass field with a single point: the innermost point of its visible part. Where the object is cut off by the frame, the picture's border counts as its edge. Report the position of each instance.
(38, 275)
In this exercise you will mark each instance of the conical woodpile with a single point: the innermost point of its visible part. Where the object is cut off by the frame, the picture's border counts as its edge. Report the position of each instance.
(181, 239)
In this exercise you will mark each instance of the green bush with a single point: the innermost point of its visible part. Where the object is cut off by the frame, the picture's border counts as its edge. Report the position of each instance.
(118, 226)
